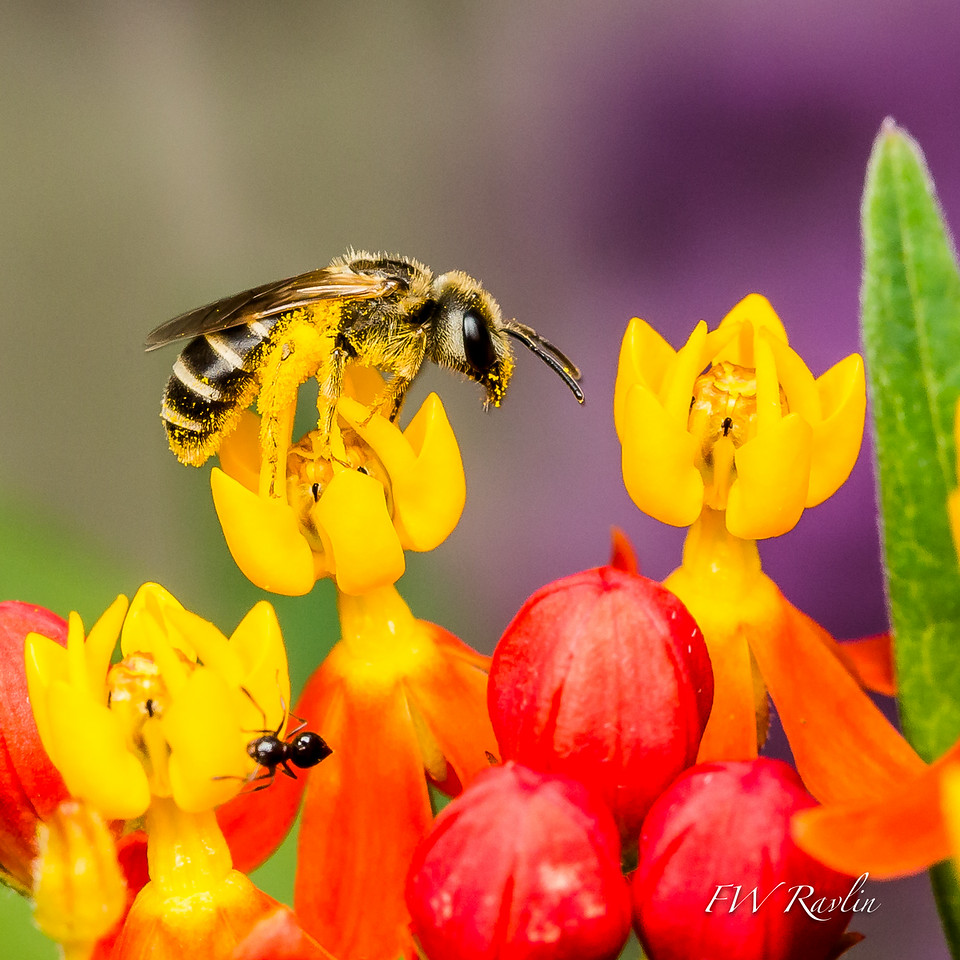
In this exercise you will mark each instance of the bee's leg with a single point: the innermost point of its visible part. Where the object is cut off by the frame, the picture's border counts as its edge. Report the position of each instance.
(330, 381)
(277, 404)
(390, 402)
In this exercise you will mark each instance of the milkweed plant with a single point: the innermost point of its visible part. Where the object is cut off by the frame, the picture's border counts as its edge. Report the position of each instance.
(597, 787)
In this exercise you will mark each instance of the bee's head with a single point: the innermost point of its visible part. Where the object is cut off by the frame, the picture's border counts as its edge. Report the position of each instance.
(468, 334)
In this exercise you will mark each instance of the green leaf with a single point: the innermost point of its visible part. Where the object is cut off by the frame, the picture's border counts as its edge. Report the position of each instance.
(911, 333)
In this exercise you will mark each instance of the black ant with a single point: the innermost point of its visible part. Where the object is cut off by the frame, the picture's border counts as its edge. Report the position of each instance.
(302, 748)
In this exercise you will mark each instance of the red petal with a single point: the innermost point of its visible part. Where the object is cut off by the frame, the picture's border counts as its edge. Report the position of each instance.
(844, 747)
(451, 695)
(366, 808)
(255, 822)
(30, 786)
(870, 659)
(731, 732)
(278, 936)
(898, 834)
(622, 554)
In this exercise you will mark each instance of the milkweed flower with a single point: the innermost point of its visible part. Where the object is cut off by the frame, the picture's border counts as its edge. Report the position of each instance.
(603, 676)
(738, 453)
(523, 865)
(31, 788)
(403, 704)
(719, 876)
(351, 516)
(171, 721)
(754, 436)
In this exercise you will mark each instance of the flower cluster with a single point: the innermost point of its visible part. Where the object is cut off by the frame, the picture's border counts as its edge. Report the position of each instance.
(603, 765)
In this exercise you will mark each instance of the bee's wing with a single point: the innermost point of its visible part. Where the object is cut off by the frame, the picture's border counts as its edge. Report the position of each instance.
(336, 282)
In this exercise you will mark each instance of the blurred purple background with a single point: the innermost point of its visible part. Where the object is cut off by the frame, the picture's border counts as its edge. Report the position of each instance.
(587, 162)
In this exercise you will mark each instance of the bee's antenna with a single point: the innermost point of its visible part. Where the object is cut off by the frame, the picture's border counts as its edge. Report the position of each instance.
(548, 353)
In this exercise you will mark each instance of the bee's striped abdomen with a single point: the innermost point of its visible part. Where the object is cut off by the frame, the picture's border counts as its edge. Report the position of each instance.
(213, 381)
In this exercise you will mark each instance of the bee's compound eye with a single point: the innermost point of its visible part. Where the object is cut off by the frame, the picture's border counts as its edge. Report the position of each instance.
(477, 345)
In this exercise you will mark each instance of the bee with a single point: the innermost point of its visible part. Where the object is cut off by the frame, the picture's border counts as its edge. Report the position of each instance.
(384, 311)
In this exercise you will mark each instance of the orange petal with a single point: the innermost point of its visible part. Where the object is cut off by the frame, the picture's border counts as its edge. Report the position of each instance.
(161, 928)
(278, 936)
(870, 659)
(366, 808)
(844, 747)
(451, 695)
(731, 732)
(900, 833)
(255, 823)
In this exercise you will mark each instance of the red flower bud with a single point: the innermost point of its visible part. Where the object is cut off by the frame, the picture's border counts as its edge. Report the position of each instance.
(603, 676)
(720, 877)
(30, 786)
(521, 866)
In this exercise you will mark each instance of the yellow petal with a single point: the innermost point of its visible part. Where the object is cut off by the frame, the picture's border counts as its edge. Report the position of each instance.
(46, 663)
(148, 629)
(358, 533)
(429, 497)
(677, 387)
(644, 358)
(363, 384)
(264, 538)
(658, 461)
(258, 643)
(795, 378)
(208, 758)
(424, 466)
(240, 451)
(104, 773)
(755, 313)
(837, 439)
(102, 641)
(212, 647)
(773, 468)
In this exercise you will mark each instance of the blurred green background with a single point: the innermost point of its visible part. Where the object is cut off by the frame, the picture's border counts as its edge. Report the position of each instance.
(587, 162)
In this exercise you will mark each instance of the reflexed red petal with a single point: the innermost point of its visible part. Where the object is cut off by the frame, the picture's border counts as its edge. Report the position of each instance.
(871, 660)
(256, 820)
(278, 936)
(895, 835)
(30, 786)
(450, 692)
(731, 732)
(365, 810)
(844, 747)
(622, 554)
